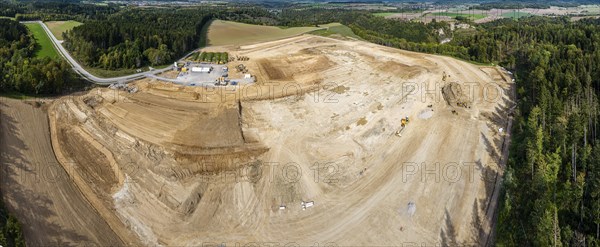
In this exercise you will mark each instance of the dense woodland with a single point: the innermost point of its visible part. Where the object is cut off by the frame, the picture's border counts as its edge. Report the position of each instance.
(552, 182)
(10, 229)
(137, 37)
(55, 11)
(133, 38)
(22, 71)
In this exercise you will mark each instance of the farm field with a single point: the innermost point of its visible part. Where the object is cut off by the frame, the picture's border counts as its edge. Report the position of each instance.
(385, 14)
(100, 72)
(59, 27)
(46, 49)
(234, 33)
(454, 15)
(335, 29)
(516, 14)
(481, 16)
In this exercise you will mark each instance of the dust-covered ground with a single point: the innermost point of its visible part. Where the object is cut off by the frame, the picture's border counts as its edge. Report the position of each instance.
(36, 187)
(191, 166)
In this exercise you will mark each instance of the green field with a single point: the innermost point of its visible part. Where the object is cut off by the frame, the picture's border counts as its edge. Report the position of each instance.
(45, 47)
(454, 15)
(235, 33)
(104, 73)
(59, 27)
(516, 14)
(384, 14)
(335, 29)
(100, 72)
(16, 95)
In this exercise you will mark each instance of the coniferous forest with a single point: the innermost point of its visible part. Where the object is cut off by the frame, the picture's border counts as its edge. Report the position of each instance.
(133, 38)
(552, 182)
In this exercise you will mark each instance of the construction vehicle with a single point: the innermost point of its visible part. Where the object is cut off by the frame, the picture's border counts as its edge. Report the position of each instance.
(403, 123)
(221, 82)
(241, 68)
(242, 58)
(306, 205)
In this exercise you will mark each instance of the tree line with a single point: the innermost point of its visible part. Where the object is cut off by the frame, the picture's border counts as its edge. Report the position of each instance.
(22, 71)
(552, 182)
(137, 37)
(55, 11)
(11, 233)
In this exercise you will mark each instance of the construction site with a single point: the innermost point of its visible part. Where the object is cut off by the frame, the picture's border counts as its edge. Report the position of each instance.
(200, 69)
(326, 139)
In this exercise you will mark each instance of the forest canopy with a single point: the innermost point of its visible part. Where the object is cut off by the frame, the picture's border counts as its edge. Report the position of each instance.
(22, 71)
(138, 37)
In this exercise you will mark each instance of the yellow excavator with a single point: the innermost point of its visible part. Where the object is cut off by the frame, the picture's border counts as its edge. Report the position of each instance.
(403, 123)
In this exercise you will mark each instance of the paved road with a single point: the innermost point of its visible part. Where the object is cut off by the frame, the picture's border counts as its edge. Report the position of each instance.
(84, 73)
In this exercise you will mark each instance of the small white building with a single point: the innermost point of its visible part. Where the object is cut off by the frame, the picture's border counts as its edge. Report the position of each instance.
(202, 69)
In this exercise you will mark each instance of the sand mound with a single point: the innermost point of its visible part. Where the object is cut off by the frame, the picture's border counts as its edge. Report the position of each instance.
(454, 95)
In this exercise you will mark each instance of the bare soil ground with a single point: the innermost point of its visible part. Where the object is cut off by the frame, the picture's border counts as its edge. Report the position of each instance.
(36, 187)
(194, 166)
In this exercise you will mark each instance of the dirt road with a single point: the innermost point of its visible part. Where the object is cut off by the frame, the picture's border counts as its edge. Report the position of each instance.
(37, 189)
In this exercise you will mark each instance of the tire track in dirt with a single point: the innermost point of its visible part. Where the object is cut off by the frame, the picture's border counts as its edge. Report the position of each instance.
(38, 190)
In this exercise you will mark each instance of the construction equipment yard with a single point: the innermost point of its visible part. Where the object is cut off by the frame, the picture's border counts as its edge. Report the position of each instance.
(308, 154)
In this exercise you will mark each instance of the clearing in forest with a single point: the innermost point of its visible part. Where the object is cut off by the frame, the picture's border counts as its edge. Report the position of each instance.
(59, 27)
(235, 33)
(335, 29)
(516, 14)
(465, 15)
(384, 14)
(46, 49)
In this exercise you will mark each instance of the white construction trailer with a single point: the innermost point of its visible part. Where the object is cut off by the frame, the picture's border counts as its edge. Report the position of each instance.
(202, 69)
